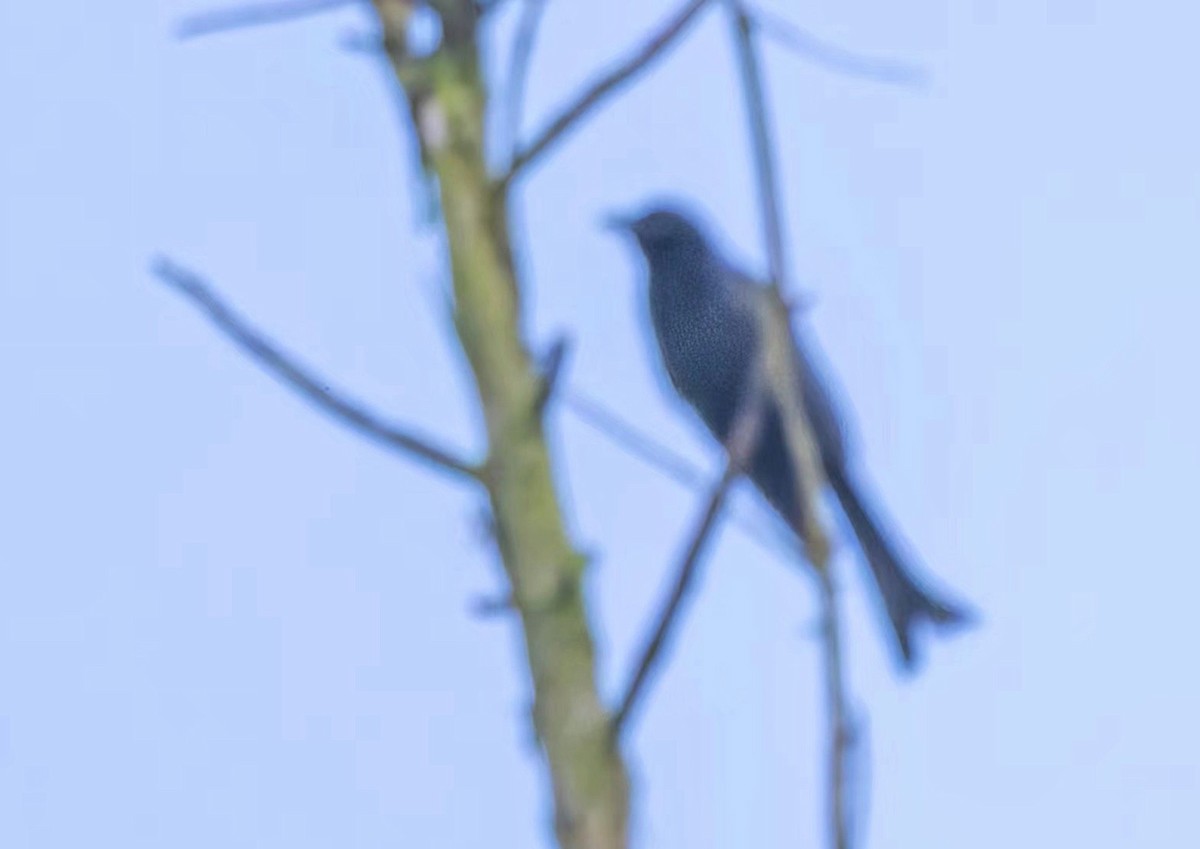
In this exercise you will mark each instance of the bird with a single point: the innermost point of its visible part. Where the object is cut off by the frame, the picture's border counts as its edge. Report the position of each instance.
(704, 312)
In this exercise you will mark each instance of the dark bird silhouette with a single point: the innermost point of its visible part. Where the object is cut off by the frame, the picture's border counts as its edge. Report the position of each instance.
(704, 313)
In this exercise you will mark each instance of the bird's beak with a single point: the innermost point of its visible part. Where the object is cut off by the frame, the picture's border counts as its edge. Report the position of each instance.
(618, 222)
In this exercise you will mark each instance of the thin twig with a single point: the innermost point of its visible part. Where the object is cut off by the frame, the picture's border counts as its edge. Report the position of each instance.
(742, 441)
(774, 537)
(840, 734)
(778, 340)
(518, 74)
(641, 445)
(487, 8)
(491, 606)
(312, 388)
(834, 57)
(779, 357)
(254, 15)
(760, 134)
(858, 776)
(667, 35)
(684, 579)
(551, 369)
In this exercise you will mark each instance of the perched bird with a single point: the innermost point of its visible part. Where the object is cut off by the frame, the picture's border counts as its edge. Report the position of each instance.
(705, 318)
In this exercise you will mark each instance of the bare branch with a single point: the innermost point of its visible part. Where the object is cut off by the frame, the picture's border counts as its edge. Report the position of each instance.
(775, 538)
(779, 355)
(685, 577)
(254, 15)
(833, 57)
(493, 606)
(666, 36)
(646, 448)
(858, 775)
(312, 388)
(778, 340)
(487, 7)
(551, 369)
(760, 134)
(839, 733)
(743, 439)
(518, 74)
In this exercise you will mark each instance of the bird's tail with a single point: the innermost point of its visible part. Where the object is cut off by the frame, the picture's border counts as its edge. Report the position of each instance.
(907, 602)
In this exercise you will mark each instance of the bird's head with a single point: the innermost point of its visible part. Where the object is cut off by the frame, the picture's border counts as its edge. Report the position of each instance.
(661, 232)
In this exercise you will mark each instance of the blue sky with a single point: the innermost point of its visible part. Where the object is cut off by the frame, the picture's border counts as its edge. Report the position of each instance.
(225, 621)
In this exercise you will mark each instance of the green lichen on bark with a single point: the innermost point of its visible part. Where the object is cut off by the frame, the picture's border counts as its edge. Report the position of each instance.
(448, 98)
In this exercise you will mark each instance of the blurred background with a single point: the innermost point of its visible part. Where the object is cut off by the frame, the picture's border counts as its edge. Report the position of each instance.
(226, 621)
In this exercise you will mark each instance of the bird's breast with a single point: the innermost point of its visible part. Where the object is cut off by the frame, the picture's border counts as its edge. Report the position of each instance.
(707, 348)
